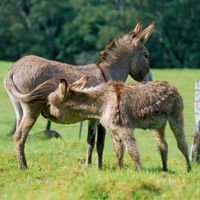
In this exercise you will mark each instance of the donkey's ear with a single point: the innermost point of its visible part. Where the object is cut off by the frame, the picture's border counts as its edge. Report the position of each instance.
(136, 30)
(63, 88)
(144, 35)
(80, 83)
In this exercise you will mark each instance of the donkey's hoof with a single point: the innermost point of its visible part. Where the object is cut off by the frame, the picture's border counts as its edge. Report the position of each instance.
(189, 169)
(164, 169)
(99, 167)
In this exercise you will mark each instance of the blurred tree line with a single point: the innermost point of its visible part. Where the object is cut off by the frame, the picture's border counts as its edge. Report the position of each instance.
(74, 31)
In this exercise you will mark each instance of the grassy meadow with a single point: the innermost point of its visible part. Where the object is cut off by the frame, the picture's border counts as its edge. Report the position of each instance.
(57, 166)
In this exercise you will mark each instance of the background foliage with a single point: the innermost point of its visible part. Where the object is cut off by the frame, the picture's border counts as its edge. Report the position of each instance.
(74, 31)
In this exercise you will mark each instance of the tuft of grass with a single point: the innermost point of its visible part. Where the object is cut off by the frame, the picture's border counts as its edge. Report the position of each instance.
(57, 166)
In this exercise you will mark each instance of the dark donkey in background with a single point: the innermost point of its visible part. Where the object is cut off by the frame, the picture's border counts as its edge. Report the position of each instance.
(122, 57)
(122, 108)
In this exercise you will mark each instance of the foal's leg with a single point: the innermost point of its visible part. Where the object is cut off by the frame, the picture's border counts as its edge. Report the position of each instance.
(30, 114)
(92, 124)
(119, 150)
(100, 144)
(130, 142)
(177, 127)
(162, 145)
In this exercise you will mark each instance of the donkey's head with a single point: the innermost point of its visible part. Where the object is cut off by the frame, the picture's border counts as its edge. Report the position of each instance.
(128, 55)
(139, 55)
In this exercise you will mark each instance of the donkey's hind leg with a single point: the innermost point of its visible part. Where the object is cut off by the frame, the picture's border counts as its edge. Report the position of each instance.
(162, 145)
(18, 114)
(30, 114)
(177, 127)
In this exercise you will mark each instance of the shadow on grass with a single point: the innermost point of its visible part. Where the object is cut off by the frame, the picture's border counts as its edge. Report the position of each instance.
(153, 170)
(157, 170)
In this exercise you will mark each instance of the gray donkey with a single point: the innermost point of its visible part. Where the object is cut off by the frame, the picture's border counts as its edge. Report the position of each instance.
(122, 108)
(122, 57)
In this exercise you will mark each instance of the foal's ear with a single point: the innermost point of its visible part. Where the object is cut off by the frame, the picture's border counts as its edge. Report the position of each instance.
(144, 35)
(80, 84)
(63, 88)
(136, 30)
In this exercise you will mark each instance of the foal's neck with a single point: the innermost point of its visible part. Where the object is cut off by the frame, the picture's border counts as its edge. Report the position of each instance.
(89, 104)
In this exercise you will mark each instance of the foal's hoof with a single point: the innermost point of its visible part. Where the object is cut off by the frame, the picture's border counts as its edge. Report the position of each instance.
(23, 166)
(51, 134)
(139, 168)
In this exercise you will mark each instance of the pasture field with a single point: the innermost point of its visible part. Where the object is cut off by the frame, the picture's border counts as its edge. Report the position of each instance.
(57, 166)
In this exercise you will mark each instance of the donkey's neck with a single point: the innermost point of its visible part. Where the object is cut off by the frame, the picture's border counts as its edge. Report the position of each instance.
(116, 70)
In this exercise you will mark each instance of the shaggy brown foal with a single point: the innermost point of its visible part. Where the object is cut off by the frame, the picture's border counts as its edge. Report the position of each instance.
(122, 108)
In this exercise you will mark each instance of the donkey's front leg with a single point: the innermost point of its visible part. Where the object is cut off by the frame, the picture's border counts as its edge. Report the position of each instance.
(92, 125)
(130, 142)
(28, 120)
(100, 144)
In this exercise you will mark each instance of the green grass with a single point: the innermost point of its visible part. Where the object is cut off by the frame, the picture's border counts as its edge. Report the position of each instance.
(57, 166)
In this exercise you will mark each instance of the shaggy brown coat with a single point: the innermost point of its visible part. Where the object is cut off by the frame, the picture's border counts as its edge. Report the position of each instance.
(122, 108)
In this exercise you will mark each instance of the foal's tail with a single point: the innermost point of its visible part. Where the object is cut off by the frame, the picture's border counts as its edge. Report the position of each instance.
(38, 94)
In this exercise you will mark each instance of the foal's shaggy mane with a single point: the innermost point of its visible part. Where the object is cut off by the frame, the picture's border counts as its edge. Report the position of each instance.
(90, 89)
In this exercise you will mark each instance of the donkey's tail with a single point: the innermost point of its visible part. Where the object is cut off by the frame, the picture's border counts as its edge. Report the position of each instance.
(39, 94)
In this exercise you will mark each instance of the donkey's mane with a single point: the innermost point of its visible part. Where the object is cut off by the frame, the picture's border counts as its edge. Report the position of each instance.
(115, 49)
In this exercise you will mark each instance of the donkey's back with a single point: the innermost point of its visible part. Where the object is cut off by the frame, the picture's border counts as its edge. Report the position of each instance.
(30, 71)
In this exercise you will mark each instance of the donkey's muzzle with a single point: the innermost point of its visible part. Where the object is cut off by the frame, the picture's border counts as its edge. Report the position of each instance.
(138, 77)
